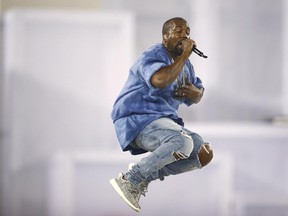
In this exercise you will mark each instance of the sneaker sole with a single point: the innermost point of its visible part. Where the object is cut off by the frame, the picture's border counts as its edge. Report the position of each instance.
(119, 191)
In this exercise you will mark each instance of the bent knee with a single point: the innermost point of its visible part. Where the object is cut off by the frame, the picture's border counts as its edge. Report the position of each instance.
(205, 154)
(184, 146)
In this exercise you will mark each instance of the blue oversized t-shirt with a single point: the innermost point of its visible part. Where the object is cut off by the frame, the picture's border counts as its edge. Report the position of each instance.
(140, 103)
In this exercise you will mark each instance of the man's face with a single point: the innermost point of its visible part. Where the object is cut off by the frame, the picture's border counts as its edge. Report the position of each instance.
(178, 32)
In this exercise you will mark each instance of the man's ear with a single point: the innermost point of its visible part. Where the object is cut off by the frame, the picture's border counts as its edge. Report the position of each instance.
(165, 37)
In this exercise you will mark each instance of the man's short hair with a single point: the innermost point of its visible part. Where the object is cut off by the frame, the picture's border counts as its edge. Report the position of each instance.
(169, 23)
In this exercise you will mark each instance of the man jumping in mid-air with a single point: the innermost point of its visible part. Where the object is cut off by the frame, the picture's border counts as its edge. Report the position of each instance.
(146, 119)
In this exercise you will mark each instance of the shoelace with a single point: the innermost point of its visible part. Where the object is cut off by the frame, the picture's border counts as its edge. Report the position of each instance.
(137, 192)
(143, 189)
(133, 190)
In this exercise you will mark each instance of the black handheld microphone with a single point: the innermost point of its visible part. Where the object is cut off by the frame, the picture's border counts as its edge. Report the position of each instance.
(198, 52)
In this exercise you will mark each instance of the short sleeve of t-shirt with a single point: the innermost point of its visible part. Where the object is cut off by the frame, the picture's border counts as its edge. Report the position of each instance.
(152, 62)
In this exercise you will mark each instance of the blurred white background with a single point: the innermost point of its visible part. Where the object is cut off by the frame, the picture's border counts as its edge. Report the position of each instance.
(62, 64)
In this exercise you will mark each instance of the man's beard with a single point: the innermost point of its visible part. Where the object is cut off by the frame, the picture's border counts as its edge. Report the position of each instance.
(178, 50)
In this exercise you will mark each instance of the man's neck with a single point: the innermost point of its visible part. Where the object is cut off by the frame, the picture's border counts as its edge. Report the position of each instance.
(173, 56)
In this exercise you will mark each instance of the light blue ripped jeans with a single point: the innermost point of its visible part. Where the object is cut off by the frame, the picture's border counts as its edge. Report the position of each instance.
(173, 151)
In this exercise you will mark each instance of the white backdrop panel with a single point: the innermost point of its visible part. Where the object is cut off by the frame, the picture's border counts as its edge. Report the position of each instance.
(63, 71)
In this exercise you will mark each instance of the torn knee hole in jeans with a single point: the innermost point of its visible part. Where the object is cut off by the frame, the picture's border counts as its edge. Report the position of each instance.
(179, 155)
